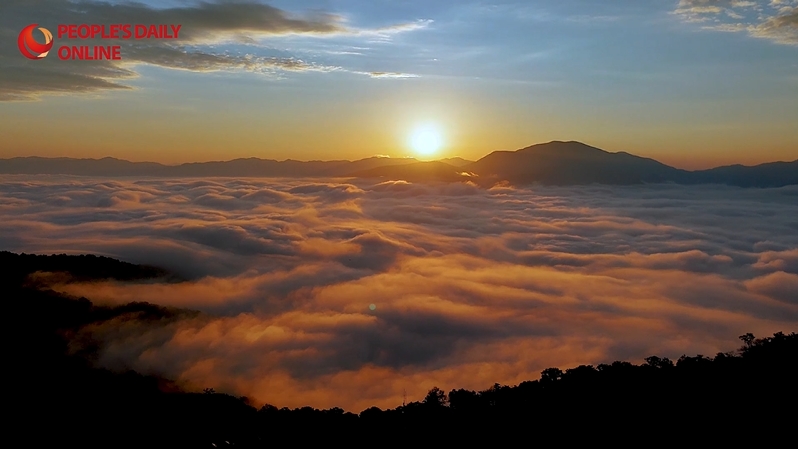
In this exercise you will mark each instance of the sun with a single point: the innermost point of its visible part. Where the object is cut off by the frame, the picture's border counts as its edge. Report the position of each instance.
(426, 140)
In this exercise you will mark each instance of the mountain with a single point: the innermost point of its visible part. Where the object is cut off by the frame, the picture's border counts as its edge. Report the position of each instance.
(572, 163)
(250, 167)
(774, 174)
(81, 167)
(456, 161)
(365, 164)
(416, 172)
(553, 163)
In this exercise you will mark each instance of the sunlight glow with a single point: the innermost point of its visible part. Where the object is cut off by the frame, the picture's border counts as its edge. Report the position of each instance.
(426, 140)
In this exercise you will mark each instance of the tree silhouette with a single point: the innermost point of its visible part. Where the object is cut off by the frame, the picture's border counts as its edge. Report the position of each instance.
(436, 398)
(657, 362)
(549, 375)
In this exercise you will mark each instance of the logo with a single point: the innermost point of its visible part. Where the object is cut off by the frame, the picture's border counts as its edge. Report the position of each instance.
(32, 49)
(28, 45)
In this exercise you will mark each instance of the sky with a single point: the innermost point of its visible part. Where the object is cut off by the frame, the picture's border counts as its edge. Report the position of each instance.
(693, 83)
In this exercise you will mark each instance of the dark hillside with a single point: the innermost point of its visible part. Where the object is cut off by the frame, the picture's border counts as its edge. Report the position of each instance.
(57, 397)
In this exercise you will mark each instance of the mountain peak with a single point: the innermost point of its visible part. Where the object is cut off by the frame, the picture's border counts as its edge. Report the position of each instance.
(560, 146)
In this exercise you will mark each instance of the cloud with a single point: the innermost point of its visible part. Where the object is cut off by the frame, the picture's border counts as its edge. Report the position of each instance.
(471, 286)
(205, 25)
(388, 74)
(384, 34)
(776, 20)
(778, 261)
(781, 286)
(176, 58)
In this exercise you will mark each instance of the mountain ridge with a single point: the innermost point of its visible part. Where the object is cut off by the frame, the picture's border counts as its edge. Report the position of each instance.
(551, 163)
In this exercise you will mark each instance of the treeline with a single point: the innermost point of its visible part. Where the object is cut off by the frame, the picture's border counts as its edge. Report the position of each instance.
(58, 398)
(756, 386)
(85, 267)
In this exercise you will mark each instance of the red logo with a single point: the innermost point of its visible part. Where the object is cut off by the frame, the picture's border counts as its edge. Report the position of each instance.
(28, 45)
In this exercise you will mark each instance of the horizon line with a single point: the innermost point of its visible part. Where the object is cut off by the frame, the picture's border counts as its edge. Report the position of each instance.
(384, 156)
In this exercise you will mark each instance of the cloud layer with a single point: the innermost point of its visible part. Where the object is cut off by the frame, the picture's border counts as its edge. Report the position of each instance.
(205, 25)
(469, 286)
(776, 20)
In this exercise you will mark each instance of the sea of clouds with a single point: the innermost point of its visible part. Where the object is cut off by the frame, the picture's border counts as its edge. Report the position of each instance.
(348, 293)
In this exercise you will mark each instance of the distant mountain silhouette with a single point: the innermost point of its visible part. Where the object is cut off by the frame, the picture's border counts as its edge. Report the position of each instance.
(347, 167)
(774, 174)
(81, 167)
(416, 172)
(457, 161)
(553, 163)
(250, 167)
(572, 163)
